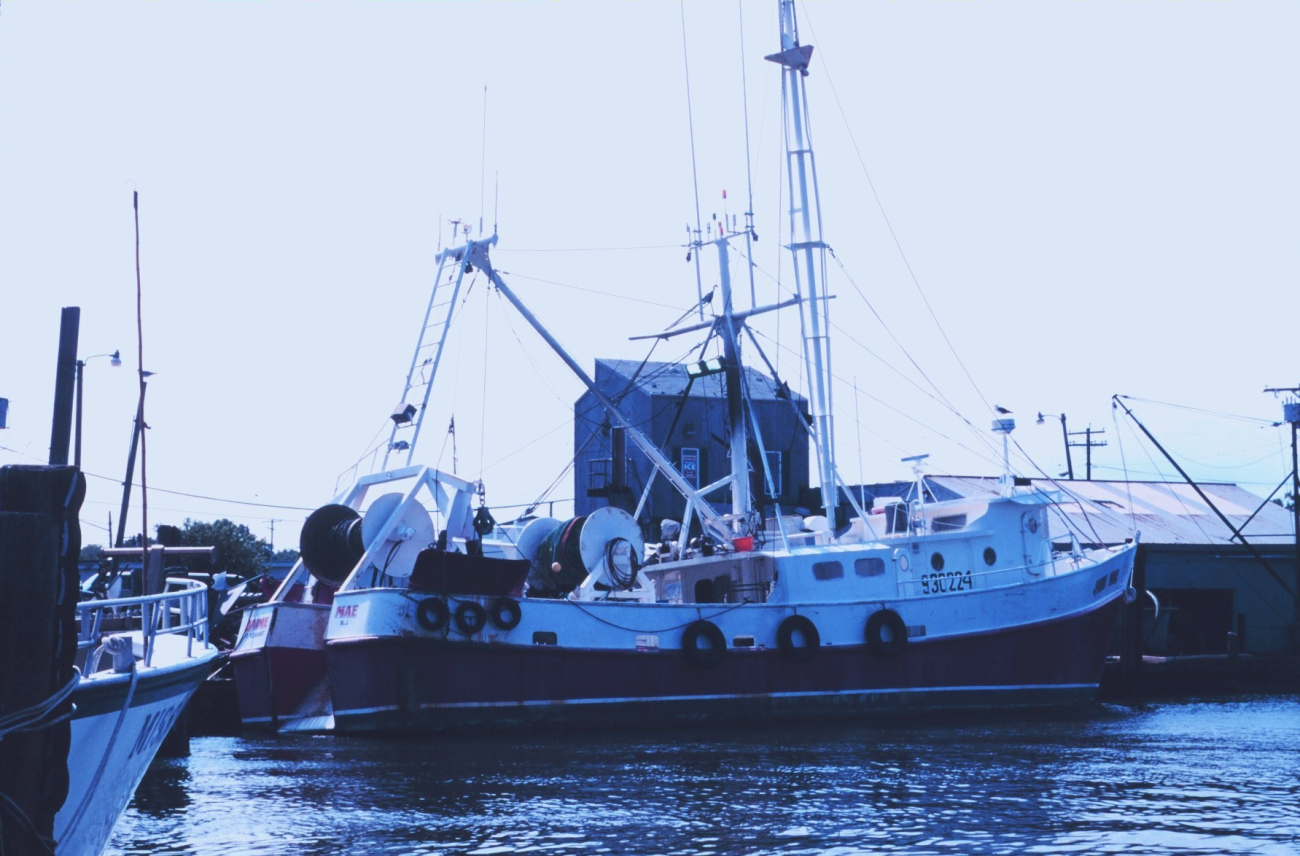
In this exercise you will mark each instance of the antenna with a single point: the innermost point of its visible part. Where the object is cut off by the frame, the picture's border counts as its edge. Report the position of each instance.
(482, 164)
(750, 234)
(139, 328)
(695, 176)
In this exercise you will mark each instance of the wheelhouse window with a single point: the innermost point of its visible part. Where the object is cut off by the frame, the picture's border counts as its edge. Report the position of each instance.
(828, 570)
(871, 566)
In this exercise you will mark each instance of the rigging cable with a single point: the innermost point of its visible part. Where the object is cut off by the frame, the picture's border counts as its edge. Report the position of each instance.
(889, 225)
(695, 177)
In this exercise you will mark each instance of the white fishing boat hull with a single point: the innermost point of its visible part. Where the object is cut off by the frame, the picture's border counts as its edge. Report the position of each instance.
(609, 664)
(120, 719)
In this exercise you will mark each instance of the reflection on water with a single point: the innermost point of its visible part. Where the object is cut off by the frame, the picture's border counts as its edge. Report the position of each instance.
(1211, 777)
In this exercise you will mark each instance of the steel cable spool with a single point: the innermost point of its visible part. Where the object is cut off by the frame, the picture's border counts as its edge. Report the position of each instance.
(331, 543)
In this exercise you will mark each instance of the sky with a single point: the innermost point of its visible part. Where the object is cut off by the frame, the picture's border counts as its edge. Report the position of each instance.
(1033, 206)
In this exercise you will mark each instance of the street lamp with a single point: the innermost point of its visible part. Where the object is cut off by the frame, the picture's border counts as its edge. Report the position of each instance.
(115, 361)
(1065, 435)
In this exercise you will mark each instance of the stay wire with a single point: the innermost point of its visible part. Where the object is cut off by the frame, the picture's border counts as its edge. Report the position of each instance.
(888, 224)
(587, 290)
(1265, 422)
(1128, 482)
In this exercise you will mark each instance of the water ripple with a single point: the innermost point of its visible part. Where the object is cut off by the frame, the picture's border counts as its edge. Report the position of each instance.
(1215, 777)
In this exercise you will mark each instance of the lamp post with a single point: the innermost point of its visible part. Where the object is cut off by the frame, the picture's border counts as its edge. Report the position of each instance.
(1065, 434)
(116, 360)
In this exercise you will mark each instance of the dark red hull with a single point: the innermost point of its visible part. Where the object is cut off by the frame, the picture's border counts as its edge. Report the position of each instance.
(273, 682)
(424, 684)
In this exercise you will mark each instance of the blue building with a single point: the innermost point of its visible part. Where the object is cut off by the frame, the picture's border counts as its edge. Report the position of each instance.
(687, 419)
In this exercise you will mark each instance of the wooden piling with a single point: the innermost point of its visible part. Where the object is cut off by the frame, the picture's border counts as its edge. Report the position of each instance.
(1131, 652)
(40, 539)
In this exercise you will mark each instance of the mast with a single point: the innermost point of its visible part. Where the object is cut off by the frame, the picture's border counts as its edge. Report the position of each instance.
(807, 249)
(476, 255)
(740, 498)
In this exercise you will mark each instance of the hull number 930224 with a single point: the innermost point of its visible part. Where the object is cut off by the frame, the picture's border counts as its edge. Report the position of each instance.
(945, 582)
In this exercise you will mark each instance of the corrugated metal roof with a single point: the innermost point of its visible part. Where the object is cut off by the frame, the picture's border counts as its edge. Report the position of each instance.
(1164, 512)
(670, 379)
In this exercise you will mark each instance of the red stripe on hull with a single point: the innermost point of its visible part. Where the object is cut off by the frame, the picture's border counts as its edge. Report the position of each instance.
(272, 683)
(417, 683)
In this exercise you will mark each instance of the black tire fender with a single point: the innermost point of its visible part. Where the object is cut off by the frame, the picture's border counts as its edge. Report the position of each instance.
(432, 614)
(802, 625)
(881, 621)
(470, 617)
(710, 654)
(505, 613)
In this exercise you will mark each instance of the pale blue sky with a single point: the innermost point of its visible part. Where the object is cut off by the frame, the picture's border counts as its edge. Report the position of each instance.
(1094, 197)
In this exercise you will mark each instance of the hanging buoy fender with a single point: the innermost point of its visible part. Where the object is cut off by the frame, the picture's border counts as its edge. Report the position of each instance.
(505, 613)
(432, 614)
(801, 628)
(470, 617)
(886, 633)
(704, 644)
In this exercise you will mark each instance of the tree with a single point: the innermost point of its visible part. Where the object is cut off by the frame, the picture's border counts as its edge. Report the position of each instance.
(90, 553)
(286, 555)
(238, 551)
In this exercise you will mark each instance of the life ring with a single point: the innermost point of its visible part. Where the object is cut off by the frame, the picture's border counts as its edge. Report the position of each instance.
(877, 624)
(505, 613)
(712, 652)
(470, 617)
(802, 625)
(432, 614)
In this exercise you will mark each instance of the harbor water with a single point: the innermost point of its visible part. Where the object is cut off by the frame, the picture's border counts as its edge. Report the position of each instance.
(1205, 777)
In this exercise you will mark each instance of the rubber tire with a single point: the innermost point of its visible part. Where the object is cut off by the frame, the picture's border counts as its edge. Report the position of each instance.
(505, 613)
(812, 639)
(470, 617)
(432, 614)
(704, 658)
(876, 638)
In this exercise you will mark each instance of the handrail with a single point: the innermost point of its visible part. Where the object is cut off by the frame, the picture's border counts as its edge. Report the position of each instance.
(188, 600)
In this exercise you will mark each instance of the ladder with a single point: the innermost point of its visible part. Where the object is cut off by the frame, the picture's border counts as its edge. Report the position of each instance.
(408, 416)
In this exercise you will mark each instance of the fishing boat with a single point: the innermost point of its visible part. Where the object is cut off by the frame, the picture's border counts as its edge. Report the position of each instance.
(735, 615)
(378, 534)
(907, 606)
(370, 535)
(141, 659)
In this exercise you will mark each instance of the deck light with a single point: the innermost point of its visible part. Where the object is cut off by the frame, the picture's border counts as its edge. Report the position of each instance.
(403, 415)
(704, 368)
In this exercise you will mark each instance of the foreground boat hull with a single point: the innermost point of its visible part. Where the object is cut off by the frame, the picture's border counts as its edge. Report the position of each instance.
(116, 730)
(410, 683)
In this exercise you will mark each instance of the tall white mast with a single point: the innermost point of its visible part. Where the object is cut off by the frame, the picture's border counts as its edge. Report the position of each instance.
(740, 498)
(806, 246)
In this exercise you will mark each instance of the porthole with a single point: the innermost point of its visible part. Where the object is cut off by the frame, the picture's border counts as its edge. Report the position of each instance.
(1032, 525)
(990, 556)
(936, 561)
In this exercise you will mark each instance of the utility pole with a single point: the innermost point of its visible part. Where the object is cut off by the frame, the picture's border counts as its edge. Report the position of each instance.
(1087, 444)
(1291, 414)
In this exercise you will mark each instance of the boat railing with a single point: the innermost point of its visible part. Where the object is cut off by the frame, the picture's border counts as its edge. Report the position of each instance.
(180, 610)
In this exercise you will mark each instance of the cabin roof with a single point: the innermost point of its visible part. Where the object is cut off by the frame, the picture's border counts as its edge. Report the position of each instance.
(1108, 511)
(670, 379)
